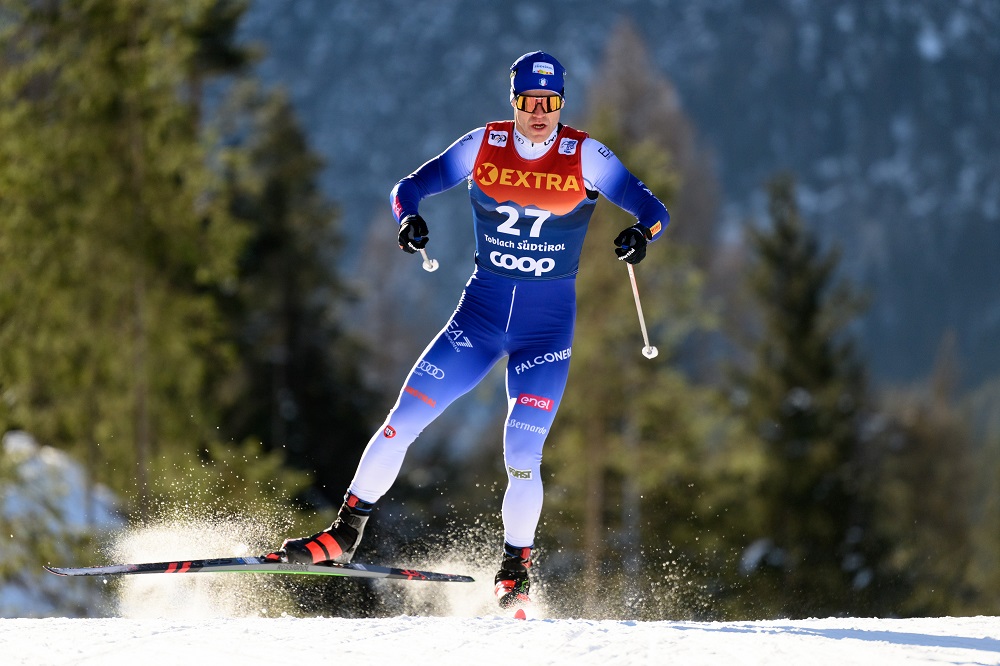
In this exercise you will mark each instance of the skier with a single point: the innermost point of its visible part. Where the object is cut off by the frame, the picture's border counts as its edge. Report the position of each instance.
(533, 183)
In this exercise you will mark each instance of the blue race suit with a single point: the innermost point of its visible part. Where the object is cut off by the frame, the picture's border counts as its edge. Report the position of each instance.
(531, 206)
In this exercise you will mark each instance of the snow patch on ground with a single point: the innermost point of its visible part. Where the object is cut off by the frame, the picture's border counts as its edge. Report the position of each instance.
(496, 640)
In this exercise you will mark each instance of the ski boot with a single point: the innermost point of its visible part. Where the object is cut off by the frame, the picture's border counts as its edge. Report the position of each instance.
(336, 543)
(512, 580)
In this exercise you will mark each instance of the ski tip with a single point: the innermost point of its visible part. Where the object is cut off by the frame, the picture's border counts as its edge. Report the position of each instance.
(53, 570)
(519, 614)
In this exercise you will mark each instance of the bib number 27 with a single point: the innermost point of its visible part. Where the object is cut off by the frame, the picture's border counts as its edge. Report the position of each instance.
(508, 227)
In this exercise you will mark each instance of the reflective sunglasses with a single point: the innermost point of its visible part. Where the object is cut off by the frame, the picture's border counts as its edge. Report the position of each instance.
(549, 103)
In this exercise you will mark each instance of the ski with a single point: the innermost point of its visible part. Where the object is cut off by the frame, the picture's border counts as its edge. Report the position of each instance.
(524, 612)
(260, 565)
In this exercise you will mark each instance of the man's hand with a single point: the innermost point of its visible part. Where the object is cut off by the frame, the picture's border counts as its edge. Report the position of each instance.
(630, 245)
(412, 234)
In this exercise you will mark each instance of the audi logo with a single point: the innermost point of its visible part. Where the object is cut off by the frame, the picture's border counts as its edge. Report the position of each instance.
(430, 369)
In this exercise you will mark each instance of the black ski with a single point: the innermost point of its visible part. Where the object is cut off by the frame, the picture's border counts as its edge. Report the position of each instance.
(260, 565)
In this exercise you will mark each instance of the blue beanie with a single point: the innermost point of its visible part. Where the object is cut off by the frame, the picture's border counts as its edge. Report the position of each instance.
(536, 71)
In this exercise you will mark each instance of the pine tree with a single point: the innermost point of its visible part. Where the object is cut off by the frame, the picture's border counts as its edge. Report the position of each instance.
(113, 236)
(815, 553)
(217, 53)
(298, 385)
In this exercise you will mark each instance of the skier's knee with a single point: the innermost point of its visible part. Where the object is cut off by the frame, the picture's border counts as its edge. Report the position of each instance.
(523, 466)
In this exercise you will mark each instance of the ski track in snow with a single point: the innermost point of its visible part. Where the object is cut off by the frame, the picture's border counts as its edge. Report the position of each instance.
(499, 640)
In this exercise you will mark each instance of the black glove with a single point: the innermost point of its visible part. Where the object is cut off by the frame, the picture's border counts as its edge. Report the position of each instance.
(630, 245)
(412, 234)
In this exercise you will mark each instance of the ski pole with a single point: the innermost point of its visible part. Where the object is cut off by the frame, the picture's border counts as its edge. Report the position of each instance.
(430, 265)
(648, 350)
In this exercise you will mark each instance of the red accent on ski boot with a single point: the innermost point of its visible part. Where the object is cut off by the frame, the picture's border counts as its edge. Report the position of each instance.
(336, 543)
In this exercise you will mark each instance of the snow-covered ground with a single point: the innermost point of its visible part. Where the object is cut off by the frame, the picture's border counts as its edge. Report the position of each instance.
(495, 640)
(237, 619)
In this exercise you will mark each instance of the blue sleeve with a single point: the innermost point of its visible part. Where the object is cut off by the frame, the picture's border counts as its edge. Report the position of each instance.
(604, 172)
(436, 175)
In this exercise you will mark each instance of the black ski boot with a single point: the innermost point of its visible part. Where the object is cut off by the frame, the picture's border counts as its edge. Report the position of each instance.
(512, 580)
(336, 543)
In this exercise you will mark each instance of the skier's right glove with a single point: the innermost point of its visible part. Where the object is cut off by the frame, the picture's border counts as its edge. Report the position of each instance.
(412, 234)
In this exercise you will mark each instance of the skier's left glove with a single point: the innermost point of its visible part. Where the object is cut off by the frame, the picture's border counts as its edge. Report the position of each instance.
(630, 245)
(412, 234)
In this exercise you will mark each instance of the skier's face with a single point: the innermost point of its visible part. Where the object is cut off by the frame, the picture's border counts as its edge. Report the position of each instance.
(535, 121)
